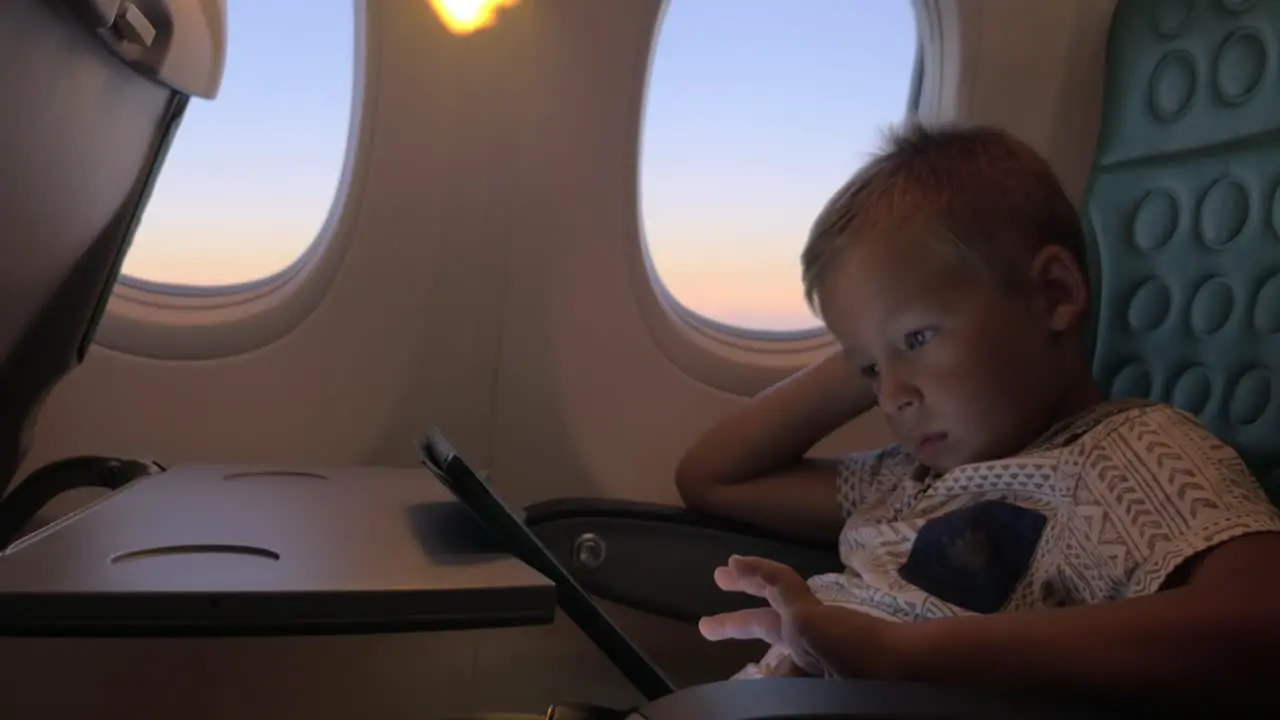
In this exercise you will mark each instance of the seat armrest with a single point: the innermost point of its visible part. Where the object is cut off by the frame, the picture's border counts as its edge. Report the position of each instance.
(20, 506)
(815, 698)
(563, 508)
(660, 558)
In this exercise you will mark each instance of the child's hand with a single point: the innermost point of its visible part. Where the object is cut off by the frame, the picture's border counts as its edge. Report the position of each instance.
(786, 667)
(822, 640)
(789, 599)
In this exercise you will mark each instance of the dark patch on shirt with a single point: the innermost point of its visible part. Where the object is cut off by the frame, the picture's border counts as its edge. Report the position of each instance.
(974, 557)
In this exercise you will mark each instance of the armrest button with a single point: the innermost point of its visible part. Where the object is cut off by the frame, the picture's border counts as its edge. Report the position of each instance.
(589, 550)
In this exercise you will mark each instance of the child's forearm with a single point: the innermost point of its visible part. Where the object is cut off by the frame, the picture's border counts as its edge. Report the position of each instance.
(1218, 634)
(1159, 645)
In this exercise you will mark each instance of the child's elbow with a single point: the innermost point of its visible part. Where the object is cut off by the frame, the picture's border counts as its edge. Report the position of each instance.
(699, 478)
(692, 483)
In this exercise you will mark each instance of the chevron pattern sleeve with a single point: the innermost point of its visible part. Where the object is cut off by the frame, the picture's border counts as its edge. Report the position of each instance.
(1159, 489)
(865, 476)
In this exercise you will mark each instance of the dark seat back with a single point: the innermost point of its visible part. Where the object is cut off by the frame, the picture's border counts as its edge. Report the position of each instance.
(90, 94)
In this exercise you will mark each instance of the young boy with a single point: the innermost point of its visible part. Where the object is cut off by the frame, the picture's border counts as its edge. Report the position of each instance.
(1048, 537)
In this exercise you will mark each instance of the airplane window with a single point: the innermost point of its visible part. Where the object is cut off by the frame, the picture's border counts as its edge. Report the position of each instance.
(756, 112)
(251, 175)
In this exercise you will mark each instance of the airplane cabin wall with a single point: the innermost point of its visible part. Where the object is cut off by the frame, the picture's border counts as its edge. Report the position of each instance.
(485, 287)
(585, 402)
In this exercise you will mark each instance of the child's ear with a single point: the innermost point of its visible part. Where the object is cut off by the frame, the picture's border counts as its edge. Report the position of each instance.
(1062, 287)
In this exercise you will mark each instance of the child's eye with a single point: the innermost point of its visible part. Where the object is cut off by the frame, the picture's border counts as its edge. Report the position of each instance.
(916, 338)
(870, 371)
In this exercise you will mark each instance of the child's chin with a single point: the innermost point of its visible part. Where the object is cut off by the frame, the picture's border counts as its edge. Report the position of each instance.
(938, 465)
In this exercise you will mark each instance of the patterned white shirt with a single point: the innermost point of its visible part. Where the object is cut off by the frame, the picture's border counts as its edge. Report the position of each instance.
(1104, 506)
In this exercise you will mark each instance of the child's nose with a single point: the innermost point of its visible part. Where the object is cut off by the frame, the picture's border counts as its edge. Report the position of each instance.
(897, 392)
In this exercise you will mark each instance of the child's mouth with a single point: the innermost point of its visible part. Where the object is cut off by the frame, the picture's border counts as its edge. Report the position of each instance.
(929, 444)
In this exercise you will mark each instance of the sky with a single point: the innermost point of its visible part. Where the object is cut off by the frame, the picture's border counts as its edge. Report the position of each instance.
(757, 111)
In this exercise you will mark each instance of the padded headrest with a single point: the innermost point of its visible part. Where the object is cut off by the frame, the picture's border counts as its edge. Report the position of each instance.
(1183, 211)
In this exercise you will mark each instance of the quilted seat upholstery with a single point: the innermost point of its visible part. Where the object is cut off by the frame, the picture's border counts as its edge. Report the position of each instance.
(1183, 212)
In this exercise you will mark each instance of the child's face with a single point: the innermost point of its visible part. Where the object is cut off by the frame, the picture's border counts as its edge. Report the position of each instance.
(964, 369)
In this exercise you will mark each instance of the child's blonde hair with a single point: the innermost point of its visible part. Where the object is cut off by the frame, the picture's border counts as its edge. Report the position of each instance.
(978, 190)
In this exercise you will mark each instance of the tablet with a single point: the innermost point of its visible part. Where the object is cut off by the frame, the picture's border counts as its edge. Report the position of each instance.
(440, 457)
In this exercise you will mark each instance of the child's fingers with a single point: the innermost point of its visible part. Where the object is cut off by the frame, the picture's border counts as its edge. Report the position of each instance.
(747, 574)
(734, 580)
(786, 667)
(778, 583)
(752, 624)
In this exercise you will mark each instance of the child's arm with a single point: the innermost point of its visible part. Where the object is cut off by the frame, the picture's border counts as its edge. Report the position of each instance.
(751, 465)
(1198, 571)
(1214, 637)
(1218, 631)
(1195, 557)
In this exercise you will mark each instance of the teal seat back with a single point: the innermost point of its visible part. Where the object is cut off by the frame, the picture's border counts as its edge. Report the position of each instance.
(1183, 214)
